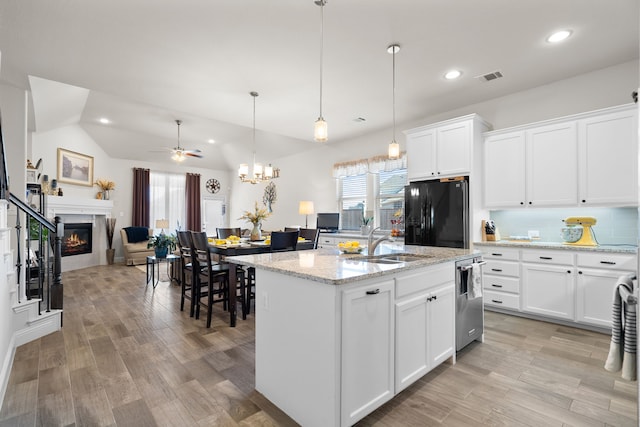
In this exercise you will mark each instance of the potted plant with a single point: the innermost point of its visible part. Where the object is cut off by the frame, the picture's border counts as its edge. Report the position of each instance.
(367, 223)
(162, 244)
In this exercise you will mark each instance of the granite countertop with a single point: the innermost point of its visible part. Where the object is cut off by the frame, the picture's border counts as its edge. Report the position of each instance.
(330, 266)
(623, 249)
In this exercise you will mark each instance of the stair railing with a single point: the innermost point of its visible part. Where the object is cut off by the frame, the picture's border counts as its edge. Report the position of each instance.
(46, 265)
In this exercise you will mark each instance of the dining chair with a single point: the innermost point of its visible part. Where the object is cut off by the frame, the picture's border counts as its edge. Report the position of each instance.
(186, 270)
(210, 278)
(312, 234)
(284, 240)
(223, 233)
(281, 241)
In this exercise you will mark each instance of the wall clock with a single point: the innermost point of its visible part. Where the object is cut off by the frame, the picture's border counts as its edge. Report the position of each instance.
(213, 185)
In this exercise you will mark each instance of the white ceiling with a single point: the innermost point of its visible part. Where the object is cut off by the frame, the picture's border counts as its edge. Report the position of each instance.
(146, 63)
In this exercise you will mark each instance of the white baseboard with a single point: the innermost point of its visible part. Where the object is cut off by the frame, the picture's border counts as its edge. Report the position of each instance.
(7, 364)
(45, 324)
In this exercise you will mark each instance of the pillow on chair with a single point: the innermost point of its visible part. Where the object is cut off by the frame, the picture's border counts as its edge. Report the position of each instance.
(137, 234)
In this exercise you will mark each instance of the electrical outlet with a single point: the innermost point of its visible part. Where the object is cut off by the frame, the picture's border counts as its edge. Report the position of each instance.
(534, 234)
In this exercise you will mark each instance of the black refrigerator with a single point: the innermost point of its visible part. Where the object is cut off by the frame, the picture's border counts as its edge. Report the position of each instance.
(437, 213)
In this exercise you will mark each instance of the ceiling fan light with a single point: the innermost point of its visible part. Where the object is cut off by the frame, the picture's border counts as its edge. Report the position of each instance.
(394, 150)
(320, 132)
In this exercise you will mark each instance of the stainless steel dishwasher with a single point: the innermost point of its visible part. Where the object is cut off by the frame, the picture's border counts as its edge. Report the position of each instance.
(469, 311)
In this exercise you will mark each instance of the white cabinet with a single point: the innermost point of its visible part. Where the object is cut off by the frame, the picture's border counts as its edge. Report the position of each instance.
(534, 167)
(425, 322)
(505, 159)
(443, 149)
(595, 284)
(367, 349)
(548, 283)
(585, 159)
(501, 278)
(608, 159)
(552, 165)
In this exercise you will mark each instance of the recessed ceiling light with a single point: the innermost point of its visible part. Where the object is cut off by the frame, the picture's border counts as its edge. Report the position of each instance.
(211, 141)
(559, 36)
(105, 121)
(453, 74)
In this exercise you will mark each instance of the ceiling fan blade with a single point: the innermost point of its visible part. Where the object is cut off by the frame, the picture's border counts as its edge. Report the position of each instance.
(191, 154)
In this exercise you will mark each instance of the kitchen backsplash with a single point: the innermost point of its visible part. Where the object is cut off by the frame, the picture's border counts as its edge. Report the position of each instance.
(615, 226)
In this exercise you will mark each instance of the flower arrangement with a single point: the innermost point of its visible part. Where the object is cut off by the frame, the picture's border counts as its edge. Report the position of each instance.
(395, 223)
(257, 216)
(163, 241)
(366, 220)
(105, 184)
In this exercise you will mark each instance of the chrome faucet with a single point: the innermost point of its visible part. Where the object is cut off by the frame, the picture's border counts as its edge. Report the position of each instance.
(372, 245)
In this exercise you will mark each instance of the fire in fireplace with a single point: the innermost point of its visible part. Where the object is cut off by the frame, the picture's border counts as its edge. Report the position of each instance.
(77, 239)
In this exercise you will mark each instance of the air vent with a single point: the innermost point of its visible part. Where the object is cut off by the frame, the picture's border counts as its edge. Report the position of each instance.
(490, 76)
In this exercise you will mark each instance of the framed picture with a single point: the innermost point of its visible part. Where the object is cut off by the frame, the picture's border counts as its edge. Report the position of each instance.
(31, 176)
(75, 168)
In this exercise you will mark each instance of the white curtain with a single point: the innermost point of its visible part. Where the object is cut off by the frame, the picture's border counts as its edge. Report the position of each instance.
(371, 165)
(167, 199)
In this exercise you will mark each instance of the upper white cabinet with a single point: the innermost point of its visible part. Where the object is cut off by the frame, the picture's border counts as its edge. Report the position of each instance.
(608, 152)
(443, 149)
(585, 159)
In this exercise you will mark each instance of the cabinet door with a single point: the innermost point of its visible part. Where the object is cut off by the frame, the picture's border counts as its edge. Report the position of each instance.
(421, 155)
(548, 290)
(453, 149)
(367, 349)
(412, 356)
(504, 171)
(441, 325)
(609, 159)
(594, 296)
(552, 165)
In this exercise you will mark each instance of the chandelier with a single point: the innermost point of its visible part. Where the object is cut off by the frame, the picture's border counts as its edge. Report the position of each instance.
(259, 173)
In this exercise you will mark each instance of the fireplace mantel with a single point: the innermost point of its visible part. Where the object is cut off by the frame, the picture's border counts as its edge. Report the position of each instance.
(65, 205)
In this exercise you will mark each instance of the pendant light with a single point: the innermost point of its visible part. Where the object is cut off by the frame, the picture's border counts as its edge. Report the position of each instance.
(258, 172)
(320, 132)
(394, 147)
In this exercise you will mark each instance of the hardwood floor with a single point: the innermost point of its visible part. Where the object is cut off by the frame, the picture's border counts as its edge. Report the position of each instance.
(127, 356)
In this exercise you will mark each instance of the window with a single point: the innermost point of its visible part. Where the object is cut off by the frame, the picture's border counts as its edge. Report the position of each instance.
(371, 194)
(352, 201)
(167, 199)
(390, 195)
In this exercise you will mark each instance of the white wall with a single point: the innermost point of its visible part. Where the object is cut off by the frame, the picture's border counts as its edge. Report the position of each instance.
(308, 176)
(74, 138)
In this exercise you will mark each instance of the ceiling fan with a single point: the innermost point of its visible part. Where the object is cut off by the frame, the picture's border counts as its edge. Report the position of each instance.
(181, 153)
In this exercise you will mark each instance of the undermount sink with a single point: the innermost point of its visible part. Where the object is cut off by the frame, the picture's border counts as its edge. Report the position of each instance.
(393, 258)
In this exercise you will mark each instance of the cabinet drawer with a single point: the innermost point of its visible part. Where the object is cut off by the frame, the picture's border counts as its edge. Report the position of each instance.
(434, 276)
(502, 268)
(548, 257)
(501, 299)
(607, 261)
(507, 254)
(502, 284)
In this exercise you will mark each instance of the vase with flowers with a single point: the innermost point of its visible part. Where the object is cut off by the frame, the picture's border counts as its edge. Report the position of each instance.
(105, 186)
(256, 217)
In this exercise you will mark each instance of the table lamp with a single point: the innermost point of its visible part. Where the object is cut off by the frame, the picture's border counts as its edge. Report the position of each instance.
(162, 224)
(306, 209)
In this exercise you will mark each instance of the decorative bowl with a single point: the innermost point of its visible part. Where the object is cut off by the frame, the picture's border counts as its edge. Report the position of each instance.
(356, 250)
(571, 234)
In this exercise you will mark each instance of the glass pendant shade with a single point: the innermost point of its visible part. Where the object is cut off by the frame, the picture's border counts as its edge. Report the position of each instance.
(268, 172)
(243, 170)
(257, 170)
(394, 150)
(320, 133)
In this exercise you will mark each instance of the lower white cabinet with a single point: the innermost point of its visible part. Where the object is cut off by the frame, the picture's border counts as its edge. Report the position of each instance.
(367, 349)
(548, 290)
(594, 295)
(424, 331)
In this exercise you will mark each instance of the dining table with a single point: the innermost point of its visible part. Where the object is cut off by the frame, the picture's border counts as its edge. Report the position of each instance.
(245, 247)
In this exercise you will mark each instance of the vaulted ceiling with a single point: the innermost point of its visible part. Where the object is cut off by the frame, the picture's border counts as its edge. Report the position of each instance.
(144, 63)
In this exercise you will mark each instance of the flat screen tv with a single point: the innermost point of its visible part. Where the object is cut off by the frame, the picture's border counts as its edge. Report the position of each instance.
(328, 222)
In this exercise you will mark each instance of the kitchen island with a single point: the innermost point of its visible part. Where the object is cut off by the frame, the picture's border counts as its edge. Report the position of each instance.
(338, 335)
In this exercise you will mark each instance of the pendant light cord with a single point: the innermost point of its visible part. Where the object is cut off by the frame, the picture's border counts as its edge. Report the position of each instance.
(393, 74)
(254, 95)
(322, 2)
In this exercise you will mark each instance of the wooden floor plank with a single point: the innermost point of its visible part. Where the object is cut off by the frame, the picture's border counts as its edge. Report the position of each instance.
(127, 356)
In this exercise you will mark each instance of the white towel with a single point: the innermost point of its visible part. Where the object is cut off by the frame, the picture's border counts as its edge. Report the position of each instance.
(475, 281)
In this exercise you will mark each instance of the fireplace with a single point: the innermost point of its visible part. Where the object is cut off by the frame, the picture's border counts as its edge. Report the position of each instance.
(77, 238)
